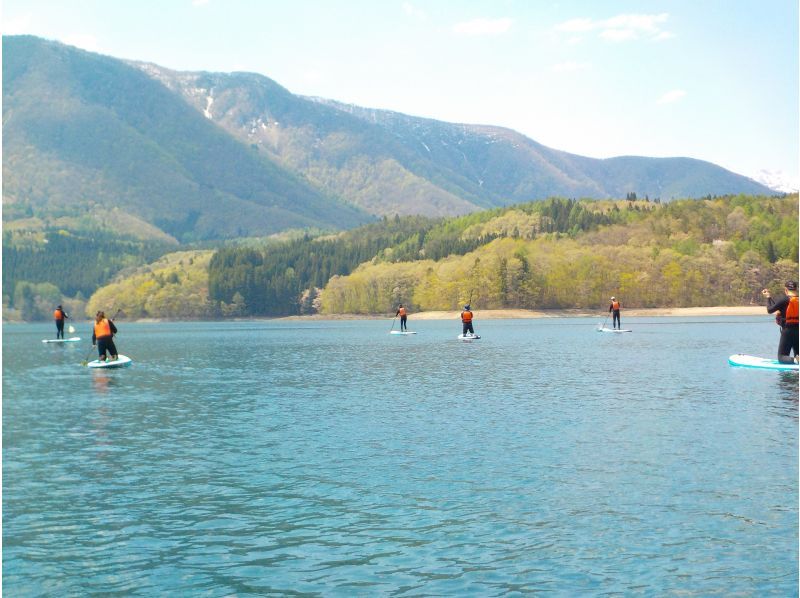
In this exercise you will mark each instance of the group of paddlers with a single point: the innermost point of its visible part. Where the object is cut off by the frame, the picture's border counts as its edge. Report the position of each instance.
(785, 308)
(466, 319)
(102, 333)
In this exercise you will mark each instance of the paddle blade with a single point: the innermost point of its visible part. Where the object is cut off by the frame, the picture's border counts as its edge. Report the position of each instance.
(71, 329)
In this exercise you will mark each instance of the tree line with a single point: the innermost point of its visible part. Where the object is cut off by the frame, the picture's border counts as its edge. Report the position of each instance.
(687, 253)
(557, 253)
(285, 279)
(39, 275)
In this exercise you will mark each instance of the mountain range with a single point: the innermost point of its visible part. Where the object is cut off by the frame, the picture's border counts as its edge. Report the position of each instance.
(150, 152)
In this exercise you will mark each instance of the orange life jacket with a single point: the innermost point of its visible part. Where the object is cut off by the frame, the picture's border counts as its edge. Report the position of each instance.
(58, 314)
(401, 311)
(615, 305)
(466, 316)
(102, 328)
(792, 311)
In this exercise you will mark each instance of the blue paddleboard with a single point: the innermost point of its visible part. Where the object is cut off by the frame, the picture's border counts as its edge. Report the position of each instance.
(120, 362)
(760, 363)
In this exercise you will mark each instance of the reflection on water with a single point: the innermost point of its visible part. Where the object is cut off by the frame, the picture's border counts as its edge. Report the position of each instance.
(333, 458)
(103, 381)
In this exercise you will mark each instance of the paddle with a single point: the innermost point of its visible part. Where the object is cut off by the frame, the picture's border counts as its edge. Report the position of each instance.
(604, 323)
(86, 359)
(71, 329)
(393, 321)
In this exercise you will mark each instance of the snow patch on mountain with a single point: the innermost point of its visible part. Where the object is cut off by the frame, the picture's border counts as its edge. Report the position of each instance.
(207, 110)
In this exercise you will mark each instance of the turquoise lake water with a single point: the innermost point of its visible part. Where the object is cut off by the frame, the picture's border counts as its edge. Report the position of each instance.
(331, 458)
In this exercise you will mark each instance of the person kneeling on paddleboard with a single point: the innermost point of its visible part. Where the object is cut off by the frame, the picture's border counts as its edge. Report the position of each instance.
(614, 307)
(403, 313)
(787, 319)
(103, 336)
(466, 321)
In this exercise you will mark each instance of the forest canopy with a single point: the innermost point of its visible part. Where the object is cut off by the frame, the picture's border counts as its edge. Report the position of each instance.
(558, 253)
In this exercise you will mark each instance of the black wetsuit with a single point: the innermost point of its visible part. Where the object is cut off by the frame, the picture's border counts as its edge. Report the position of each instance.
(615, 322)
(789, 332)
(60, 323)
(466, 326)
(403, 319)
(106, 343)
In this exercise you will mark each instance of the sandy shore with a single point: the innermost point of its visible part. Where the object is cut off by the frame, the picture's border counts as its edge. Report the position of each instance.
(510, 314)
(500, 314)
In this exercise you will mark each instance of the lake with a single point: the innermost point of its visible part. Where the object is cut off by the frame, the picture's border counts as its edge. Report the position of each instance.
(331, 458)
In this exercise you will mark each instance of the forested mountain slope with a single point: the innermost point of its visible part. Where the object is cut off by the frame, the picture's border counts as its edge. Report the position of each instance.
(391, 163)
(85, 133)
(556, 253)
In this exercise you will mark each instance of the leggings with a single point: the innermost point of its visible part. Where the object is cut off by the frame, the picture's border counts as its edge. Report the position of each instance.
(467, 327)
(106, 344)
(787, 344)
(403, 325)
(59, 328)
(616, 323)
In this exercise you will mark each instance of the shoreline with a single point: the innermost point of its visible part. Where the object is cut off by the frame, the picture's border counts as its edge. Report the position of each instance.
(502, 314)
(510, 314)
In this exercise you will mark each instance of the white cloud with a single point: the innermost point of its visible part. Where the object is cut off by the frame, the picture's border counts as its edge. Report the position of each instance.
(569, 67)
(646, 23)
(577, 26)
(414, 11)
(777, 180)
(621, 27)
(483, 26)
(618, 35)
(671, 96)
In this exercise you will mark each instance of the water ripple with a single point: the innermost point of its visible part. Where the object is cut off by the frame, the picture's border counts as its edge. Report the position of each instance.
(294, 459)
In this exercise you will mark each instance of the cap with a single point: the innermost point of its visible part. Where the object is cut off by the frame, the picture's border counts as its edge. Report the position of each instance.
(791, 285)
(59, 307)
(466, 306)
(613, 298)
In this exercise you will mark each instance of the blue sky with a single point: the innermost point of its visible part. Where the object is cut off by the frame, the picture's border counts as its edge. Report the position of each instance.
(710, 79)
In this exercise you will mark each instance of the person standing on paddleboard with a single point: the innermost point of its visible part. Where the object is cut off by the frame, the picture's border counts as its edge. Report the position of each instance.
(103, 336)
(466, 321)
(59, 315)
(787, 319)
(614, 307)
(403, 313)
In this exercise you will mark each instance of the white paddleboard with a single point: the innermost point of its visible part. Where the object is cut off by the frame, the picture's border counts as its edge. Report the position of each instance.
(120, 362)
(399, 332)
(761, 363)
(73, 339)
(467, 337)
(612, 330)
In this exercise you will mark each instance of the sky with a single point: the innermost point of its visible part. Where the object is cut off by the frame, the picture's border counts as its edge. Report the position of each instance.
(715, 80)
